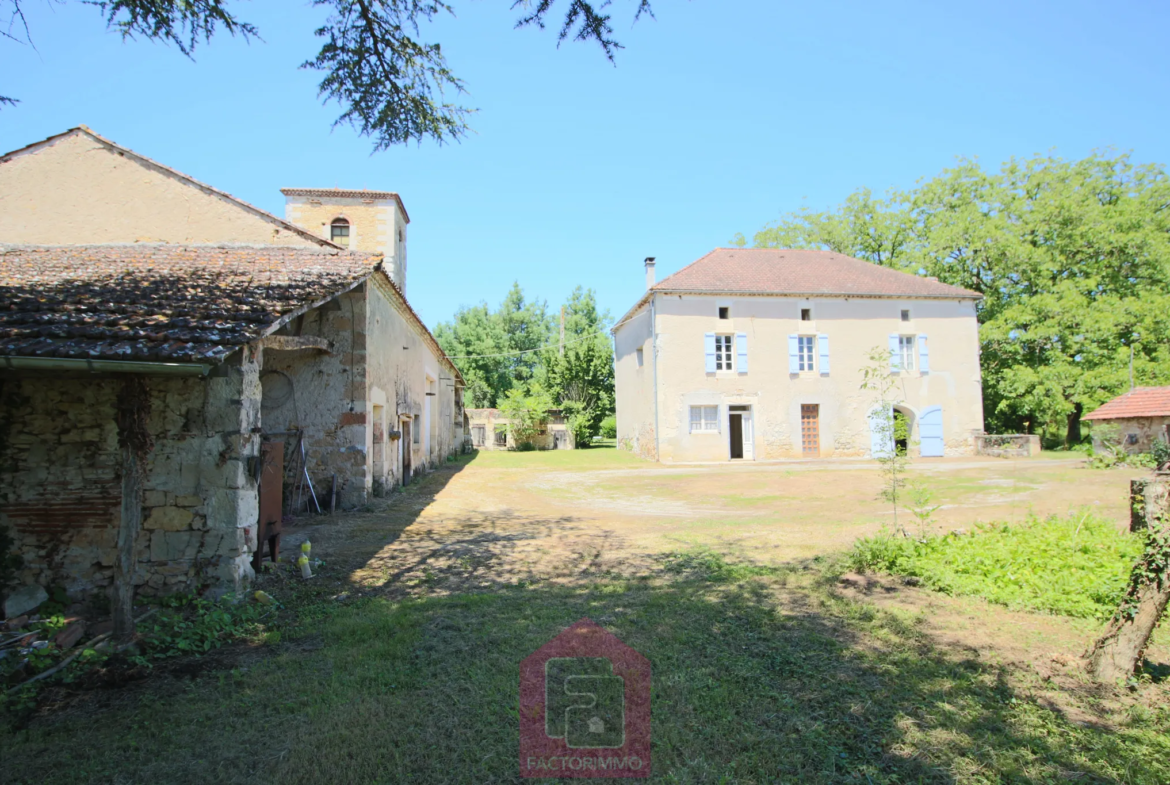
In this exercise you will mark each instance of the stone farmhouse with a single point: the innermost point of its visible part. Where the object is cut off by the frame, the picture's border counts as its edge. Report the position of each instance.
(178, 367)
(489, 429)
(757, 354)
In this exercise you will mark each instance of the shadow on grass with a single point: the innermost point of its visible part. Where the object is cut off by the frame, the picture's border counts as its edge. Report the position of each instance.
(752, 683)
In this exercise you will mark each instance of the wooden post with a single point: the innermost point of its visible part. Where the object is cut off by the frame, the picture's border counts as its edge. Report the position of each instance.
(562, 331)
(133, 414)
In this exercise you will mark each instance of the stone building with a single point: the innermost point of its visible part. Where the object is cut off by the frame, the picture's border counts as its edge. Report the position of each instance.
(1140, 417)
(750, 354)
(249, 332)
(488, 430)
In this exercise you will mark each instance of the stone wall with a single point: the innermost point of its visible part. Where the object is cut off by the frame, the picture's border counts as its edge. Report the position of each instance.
(1136, 434)
(1011, 445)
(60, 487)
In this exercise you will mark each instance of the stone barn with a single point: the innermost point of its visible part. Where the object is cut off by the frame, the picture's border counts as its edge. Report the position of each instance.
(235, 362)
(1140, 417)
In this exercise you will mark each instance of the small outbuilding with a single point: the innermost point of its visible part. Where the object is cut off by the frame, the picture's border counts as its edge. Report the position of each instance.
(1142, 417)
(488, 430)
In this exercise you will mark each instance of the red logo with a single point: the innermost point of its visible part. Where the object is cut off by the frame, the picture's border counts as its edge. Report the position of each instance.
(585, 707)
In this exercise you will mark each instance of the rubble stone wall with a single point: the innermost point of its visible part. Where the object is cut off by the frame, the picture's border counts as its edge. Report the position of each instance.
(60, 482)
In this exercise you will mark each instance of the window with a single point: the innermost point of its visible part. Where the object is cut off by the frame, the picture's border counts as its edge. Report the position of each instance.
(501, 436)
(723, 353)
(905, 314)
(906, 350)
(339, 232)
(704, 419)
(724, 312)
(415, 431)
(806, 351)
(806, 314)
(640, 355)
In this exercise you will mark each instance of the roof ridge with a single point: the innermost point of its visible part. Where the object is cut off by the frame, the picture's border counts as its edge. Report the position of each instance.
(182, 176)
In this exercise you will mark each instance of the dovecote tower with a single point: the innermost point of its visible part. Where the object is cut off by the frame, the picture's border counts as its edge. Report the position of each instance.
(357, 220)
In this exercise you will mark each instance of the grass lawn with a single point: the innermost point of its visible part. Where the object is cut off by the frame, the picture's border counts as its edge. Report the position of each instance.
(765, 669)
(757, 678)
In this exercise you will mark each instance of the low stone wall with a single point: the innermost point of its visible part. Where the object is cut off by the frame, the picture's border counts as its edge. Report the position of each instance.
(1149, 500)
(60, 486)
(1014, 445)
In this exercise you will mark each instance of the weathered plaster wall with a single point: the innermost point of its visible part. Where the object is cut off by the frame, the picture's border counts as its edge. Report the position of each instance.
(854, 326)
(77, 190)
(634, 383)
(402, 369)
(60, 487)
(324, 394)
(374, 225)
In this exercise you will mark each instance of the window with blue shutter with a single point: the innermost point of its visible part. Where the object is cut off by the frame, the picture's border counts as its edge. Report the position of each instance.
(741, 352)
(923, 355)
(823, 346)
(793, 355)
(895, 353)
(709, 350)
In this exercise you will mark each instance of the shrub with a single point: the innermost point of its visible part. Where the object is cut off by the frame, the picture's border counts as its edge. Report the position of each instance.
(609, 427)
(1074, 566)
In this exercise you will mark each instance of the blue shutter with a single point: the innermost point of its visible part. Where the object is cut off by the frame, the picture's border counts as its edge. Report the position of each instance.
(930, 433)
(709, 348)
(741, 352)
(793, 359)
(823, 345)
(923, 355)
(881, 434)
(895, 354)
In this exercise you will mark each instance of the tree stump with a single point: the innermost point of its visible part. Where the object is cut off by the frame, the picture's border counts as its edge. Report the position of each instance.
(1118, 653)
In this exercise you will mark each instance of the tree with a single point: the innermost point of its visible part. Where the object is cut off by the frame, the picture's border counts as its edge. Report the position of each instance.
(496, 351)
(581, 378)
(527, 414)
(391, 86)
(1072, 259)
(889, 429)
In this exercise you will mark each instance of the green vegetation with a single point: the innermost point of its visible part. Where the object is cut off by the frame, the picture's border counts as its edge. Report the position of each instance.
(1073, 566)
(753, 682)
(1072, 259)
(514, 354)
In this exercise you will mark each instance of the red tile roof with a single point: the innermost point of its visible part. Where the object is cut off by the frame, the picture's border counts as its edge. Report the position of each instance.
(801, 272)
(167, 303)
(1139, 402)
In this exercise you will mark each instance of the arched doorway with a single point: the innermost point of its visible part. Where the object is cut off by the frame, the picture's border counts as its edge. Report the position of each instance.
(903, 429)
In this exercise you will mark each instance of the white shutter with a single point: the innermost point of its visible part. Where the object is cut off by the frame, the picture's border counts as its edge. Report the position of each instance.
(923, 355)
(741, 362)
(823, 345)
(793, 355)
(895, 354)
(709, 350)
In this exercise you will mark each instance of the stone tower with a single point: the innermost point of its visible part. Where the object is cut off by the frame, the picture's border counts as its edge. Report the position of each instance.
(358, 220)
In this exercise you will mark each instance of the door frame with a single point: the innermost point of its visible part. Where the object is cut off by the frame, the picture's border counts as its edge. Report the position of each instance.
(746, 431)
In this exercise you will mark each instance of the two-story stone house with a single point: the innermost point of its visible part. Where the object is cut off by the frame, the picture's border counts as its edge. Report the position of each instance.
(757, 354)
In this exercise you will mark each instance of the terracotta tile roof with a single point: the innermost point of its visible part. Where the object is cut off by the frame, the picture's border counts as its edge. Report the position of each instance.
(165, 303)
(1139, 402)
(347, 193)
(187, 179)
(800, 272)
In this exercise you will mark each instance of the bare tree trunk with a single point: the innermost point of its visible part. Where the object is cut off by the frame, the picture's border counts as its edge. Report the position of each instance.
(134, 437)
(1073, 436)
(1119, 651)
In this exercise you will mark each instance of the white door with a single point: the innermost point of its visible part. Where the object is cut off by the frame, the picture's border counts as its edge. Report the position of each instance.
(749, 452)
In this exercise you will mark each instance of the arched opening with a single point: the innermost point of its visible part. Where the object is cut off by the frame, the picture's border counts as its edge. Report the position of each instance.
(339, 232)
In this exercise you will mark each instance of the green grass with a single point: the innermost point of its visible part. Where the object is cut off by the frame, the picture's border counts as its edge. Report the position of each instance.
(752, 683)
(590, 458)
(1073, 566)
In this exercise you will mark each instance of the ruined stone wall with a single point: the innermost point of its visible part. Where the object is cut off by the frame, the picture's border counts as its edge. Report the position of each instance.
(60, 487)
(324, 395)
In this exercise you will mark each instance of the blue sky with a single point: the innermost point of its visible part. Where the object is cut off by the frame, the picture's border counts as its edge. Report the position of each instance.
(719, 117)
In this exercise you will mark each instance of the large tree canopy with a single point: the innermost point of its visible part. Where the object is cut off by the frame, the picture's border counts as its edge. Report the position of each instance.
(514, 354)
(391, 86)
(1072, 258)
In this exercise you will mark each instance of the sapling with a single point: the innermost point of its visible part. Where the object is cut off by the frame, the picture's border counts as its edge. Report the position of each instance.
(889, 430)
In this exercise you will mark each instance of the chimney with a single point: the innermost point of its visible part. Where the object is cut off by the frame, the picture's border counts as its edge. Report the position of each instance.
(649, 272)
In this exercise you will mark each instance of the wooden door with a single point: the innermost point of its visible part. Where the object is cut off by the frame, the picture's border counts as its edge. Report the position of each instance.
(810, 430)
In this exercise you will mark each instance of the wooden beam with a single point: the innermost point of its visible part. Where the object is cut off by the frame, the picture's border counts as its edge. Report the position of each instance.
(133, 417)
(292, 343)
